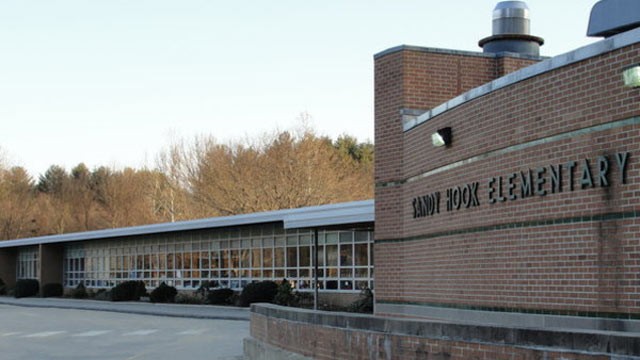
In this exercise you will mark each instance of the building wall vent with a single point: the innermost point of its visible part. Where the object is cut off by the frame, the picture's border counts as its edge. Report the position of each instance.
(511, 31)
(611, 17)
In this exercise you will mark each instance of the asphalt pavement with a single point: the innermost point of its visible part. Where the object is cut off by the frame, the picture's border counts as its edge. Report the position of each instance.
(44, 332)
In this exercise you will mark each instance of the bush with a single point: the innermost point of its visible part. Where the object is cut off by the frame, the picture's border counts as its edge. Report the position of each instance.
(80, 292)
(189, 298)
(3, 288)
(163, 294)
(235, 299)
(303, 299)
(130, 290)
(219, 297)
(284, 296)
(364, 304)
(263, 291)
(52, 290)
(26, 288)
(102, 294)
(205, 287)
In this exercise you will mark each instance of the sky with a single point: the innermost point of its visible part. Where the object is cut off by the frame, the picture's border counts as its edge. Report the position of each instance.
(114, 82)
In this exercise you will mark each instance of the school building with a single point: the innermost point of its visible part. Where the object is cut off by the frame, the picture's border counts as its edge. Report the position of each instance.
(506, 214)
(232, 251)
(507, 203)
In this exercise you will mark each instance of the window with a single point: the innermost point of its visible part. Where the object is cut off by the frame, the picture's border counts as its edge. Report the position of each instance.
(27, 263)
(231, 258)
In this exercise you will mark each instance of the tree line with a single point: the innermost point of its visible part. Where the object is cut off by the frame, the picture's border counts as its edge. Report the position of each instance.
(197, 179)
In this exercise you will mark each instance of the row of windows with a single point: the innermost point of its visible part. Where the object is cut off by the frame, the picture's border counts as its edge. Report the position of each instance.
(345, 260)
(342, 255)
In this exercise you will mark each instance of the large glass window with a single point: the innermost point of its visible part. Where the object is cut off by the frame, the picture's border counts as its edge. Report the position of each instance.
(230, 258)
(27, 263)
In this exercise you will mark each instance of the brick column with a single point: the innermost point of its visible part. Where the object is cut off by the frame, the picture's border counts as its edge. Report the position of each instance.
(410, 81)
(413, 80)
(389, 103)
(51, 264)
(8, 257)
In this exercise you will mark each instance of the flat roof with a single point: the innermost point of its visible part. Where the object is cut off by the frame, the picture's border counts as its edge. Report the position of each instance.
(355, 212)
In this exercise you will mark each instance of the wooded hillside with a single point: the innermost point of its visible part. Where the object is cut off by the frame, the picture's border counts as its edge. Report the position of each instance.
(199, 179)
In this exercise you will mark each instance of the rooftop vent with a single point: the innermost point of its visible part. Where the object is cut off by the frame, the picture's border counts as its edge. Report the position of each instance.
(511, 27)
(611, 17)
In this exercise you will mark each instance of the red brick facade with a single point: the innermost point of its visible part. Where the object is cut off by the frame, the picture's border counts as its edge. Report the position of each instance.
(415, 78)
(347, 336)
(527, 225)
(551, 249)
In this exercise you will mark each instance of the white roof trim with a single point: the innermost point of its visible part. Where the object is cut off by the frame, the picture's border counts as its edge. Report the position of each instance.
(347, 213)
(312, 216)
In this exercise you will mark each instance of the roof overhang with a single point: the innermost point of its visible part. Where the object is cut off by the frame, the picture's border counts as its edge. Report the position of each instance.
(358, 212)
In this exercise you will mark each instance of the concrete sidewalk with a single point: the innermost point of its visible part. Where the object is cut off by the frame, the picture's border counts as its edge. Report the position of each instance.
(142, 308)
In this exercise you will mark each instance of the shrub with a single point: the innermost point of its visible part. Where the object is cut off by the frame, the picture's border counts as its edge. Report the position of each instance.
(130, 290)
(3, 288)
(52, 290)
(303, 299)
(163, 294)
(205, 287)
(263, 291)
(80, 292)
(189, 298)
(26, 288)
(235, 299)
(220, 297)
(364, 304)
(284, 296)
(102, 294)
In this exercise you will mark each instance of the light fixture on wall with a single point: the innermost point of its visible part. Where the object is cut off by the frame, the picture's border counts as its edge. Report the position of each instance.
(631, 76)
(442, 137)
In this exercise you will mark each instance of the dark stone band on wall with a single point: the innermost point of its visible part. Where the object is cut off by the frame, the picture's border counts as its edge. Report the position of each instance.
(520, 224)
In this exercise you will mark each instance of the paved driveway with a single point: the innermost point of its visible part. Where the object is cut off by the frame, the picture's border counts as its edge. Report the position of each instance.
(48, 333)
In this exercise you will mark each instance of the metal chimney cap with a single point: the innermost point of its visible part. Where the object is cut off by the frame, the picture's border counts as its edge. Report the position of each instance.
(511, 31)
(507, 9)
(511, 5)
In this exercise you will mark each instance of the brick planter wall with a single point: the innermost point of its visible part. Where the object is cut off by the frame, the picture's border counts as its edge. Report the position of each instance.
(280, 332)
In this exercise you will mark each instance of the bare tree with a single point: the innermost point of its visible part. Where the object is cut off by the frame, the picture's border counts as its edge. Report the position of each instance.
(202, 178)
(284, 170)
(16, 203)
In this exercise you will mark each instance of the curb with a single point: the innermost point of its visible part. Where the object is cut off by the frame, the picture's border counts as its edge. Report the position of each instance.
(177, 311)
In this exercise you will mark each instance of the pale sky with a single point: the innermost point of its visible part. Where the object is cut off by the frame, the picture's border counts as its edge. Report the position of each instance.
(112, 82)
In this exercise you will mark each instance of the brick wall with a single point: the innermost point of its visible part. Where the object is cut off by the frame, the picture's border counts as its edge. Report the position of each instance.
(327, 335)
(51, 270)
(8, 258)
(571, 251)
(419, 78)
(508, 64)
